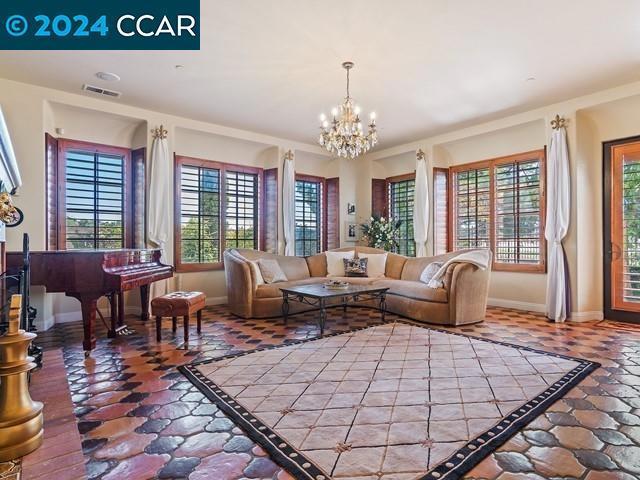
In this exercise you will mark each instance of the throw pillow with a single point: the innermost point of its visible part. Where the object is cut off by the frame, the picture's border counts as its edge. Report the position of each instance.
(355, 267)
(429, 271)
(335, 265)
(257, 273)
(271, 271)
(376, 263)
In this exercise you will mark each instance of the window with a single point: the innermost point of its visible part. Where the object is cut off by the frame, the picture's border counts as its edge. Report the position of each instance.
(440, 210)
(92, 202)
(499, 204)
(401, 196)
(309, 215)
(217, 207)
(241, 213)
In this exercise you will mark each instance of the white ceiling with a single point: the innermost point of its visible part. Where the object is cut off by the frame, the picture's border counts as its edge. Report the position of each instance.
(423, 66)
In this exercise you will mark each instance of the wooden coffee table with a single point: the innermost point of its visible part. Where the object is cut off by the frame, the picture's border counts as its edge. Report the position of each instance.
(316, 295)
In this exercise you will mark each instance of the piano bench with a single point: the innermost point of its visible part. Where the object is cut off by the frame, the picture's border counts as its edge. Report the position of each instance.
(178, 304)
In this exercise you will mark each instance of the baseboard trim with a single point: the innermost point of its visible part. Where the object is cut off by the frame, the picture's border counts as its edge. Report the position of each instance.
(586, 316)
(529, 307)
(541, 308)
(76, 315)
(216, 300)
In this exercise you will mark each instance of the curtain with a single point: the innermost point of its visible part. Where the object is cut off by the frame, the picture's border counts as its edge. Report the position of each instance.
(558, 212)
(159, 207)
(289, 204)
(421, 205)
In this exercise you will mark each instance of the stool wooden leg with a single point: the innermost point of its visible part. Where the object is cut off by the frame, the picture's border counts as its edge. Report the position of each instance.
(186, 328)
(199, 317)
(158, 327)
(174, 324)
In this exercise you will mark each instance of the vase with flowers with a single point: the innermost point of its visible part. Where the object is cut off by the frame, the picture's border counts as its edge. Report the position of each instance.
(381, 233)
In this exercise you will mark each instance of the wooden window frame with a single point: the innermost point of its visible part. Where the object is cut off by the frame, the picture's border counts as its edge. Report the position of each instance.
(323, 206)
(491, 164)
(223, 167)
(65, 144)
(397, 179)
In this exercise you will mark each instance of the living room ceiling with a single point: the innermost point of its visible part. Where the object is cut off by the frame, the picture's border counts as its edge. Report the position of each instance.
(423, 66)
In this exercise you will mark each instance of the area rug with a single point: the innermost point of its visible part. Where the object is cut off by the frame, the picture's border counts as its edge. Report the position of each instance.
(398, 401)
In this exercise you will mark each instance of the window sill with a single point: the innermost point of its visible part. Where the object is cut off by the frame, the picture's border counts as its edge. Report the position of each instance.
(519, 268)
(199, 267)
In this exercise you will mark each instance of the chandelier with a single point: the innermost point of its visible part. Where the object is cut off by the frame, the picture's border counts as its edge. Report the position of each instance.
(344, 134)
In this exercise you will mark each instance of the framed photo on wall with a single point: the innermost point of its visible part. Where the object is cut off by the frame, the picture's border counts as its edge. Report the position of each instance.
(351, 231)
(351, 208)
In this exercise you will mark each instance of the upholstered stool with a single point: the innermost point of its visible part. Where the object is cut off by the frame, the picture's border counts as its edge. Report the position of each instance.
(178, 304)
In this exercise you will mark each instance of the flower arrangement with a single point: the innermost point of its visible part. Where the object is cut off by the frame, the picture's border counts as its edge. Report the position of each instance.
(381, 233)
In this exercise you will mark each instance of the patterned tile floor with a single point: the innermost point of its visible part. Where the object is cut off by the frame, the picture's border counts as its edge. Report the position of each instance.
(140, 419)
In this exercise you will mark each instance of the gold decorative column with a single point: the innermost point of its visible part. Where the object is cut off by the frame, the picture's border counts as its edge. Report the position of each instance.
(20, 417)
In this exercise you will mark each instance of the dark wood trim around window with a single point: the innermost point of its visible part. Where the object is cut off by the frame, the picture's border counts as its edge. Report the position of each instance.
(55, 151)
(222, 167)
(491, 165)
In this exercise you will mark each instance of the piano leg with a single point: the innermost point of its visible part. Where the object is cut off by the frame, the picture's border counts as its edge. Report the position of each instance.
(89, 305)
(113, 304)
(144, 302)
(120, 309)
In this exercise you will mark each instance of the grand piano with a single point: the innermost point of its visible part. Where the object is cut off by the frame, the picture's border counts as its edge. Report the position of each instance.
(90, 274)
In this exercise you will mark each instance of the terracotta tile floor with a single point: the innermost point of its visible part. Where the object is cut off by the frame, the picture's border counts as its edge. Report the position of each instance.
(139, 418)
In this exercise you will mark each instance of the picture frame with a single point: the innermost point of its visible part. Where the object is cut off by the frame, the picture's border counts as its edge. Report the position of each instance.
(351, 232)
(351, 208)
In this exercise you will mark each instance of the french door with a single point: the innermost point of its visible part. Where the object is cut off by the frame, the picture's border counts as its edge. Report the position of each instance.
(622, 230)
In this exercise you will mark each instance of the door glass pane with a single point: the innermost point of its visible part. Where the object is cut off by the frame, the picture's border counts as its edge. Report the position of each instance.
(631, 228)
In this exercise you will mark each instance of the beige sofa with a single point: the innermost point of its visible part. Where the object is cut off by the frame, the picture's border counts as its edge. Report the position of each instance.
(462, 300)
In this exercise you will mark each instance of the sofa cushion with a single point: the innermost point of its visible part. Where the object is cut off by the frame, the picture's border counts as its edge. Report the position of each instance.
(271, 290)
(295, 268)
(317, 265)
(395, 264)
(271, 271)
(377, 263)
(413, 290)
(335, 266)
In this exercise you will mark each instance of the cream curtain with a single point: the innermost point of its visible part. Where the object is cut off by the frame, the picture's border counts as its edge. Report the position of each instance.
(558, 216)
(288, 204)
(159, 206)
(421, 205)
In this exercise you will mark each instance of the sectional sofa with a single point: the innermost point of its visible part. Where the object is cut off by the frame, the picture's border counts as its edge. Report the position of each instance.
(461, 300)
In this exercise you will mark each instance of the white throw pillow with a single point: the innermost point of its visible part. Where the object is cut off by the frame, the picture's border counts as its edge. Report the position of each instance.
(376, 263)
(271, 271)
(335, 264)
(429, 271)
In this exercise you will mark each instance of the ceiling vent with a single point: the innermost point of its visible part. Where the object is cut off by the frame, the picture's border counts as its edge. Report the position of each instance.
(101, 91)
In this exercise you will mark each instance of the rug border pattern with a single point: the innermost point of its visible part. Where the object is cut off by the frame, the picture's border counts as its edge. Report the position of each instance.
(452, 468)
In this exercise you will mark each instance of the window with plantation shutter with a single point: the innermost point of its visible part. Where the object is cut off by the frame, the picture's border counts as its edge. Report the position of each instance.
(517, 213)
(90, 200)
(217, 207)
(441, 210)
(401, 199)
(473, 209)
(241, 212)
(499, 204)
(309, 215)
(199, 215)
